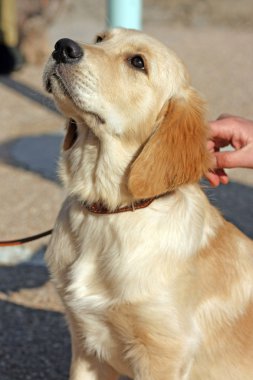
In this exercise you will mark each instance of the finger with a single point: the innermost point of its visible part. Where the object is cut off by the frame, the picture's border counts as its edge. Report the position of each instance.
(212, 178)
(224, 180)
(222, 130)
(211, 146)
(223, 177)
(217, 176)
(229, 160)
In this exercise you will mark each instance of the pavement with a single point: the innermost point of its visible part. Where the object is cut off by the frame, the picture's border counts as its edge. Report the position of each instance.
(34, 340)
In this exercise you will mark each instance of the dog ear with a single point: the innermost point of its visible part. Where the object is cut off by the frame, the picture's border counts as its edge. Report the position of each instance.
(176, 153)
(71, 134)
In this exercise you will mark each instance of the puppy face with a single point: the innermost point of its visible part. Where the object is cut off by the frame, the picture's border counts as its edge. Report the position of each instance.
(130, 87)
(122, 80)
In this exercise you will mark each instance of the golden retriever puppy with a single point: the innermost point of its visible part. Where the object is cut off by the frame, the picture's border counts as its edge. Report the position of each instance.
(156, 284)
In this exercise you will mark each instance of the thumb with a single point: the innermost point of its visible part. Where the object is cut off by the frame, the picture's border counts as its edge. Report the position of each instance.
(231, 159)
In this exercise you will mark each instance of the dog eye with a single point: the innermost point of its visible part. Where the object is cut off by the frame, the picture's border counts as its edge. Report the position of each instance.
(99, 39)
(137, 62)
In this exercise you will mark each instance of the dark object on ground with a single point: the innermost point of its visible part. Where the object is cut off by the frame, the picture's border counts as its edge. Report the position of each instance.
(11, 59)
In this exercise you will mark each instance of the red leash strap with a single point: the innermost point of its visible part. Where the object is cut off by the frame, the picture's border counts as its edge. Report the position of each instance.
(10, 243)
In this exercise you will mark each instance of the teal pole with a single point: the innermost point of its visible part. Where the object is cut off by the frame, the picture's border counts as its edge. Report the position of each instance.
(124, 13)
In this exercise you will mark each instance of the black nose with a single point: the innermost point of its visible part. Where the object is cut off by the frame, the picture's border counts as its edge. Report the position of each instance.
(67, 51)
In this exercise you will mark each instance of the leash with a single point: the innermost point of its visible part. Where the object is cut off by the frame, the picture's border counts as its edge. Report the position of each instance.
(12, 243)
(94, 208)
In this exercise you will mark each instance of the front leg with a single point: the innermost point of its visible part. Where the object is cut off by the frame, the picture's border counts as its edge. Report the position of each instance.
(60, 255)
(154, 348)
(88, 368)
(153, 366)
(161, 356)
(84, 366)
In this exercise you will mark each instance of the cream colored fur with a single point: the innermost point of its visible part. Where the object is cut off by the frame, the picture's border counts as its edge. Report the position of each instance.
(165, 292)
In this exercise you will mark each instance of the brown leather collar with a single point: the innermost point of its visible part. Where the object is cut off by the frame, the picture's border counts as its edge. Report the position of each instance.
(99, 208)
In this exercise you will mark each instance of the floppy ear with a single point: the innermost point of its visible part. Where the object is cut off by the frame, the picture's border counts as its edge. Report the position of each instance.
(71, 135)
(176, 153)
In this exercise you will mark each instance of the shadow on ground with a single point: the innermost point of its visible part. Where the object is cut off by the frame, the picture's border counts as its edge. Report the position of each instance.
(28, 92)
(38, 154)
(35, 344)
(235, 202)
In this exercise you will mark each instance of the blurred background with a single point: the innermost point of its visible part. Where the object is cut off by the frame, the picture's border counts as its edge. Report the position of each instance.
(213, 37)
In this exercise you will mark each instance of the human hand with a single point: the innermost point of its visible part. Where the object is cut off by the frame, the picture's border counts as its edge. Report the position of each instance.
(234, 131)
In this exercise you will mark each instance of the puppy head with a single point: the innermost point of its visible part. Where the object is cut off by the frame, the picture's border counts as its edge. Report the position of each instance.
(132, 93)
(116, 86)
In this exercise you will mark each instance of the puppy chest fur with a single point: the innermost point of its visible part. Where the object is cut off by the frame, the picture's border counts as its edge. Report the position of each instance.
(120, 293)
